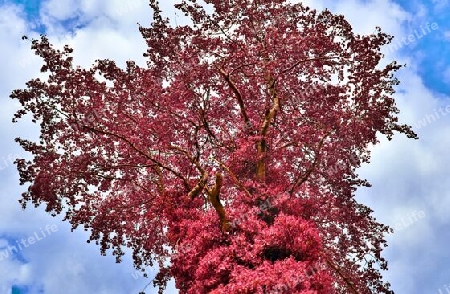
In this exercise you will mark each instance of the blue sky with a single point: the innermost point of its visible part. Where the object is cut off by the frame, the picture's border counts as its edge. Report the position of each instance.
(409, 178)
(432, 70)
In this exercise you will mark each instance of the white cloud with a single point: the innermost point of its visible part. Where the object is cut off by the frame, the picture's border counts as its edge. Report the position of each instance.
(440, 4)
(62, 9)
(63, 261)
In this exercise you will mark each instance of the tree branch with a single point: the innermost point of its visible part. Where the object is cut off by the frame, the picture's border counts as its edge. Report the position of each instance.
(305, 60)
(234, 178)
(199, 187)
(237, 93)
(213, 196)
(143, 153)
(301, 179)
(268, 118)
(339, 272)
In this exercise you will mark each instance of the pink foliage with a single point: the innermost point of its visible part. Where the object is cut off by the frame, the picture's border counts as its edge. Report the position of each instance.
(230, 159)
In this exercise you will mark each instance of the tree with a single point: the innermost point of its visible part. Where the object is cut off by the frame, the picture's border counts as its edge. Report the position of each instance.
(230, 160)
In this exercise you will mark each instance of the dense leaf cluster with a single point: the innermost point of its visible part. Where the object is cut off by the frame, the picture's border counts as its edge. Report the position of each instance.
(230, 159)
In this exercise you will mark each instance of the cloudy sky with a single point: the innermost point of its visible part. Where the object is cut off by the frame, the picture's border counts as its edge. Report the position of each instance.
(411, 187)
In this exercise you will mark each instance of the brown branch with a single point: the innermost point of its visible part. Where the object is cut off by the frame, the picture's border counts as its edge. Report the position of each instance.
(268, 118)
(292, 143)
(213, 196)
(204, 175)
(192, 159)
(305, 60)
(237, 93)
(234, 178)
(301, 179)
(160, 185)
(128, 205)
(242, 65)
(203, 121)
(199, 187)
(339, 272)
(143, 153)
(208, 129)
(146, 190)
(275, 108)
